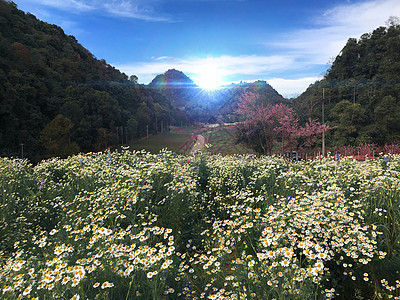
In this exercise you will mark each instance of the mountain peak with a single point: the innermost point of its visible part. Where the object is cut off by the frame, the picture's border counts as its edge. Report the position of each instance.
(172, 77)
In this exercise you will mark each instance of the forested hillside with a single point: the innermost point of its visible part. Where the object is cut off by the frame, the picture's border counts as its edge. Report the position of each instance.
(56, 98)
(361, 90)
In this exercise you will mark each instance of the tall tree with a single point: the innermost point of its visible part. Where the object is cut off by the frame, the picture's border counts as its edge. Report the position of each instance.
(349, 119)
(308, 134)
(55, 138)
(285, 124)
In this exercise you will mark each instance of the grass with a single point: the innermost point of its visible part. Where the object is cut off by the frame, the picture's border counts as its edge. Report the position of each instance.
(222, 140)
(177, 140)
(177, 143)
(180, 140)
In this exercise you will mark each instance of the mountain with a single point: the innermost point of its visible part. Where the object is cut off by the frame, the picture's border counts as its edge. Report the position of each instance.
(56, 98)
(201, 105)
(226, 111)
(176, 86)
(361, 90)
(172, 78)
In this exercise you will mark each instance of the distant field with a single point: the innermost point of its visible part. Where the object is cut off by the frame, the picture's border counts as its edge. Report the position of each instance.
(179, 140)
(222, 141)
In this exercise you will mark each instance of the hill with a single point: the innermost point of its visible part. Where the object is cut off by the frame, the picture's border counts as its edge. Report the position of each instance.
(56, 98)
(200, 105)
(361, 89)
(176, 86)
(173, 78)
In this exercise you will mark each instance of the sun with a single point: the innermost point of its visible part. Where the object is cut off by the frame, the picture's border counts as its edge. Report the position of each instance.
(209, 77)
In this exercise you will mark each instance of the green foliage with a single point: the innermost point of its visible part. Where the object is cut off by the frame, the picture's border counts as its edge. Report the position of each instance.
(350, 121)
(223, 140)
(387, 118)
(16, 189)
(44, 73)
(56, 138)
(366, 73)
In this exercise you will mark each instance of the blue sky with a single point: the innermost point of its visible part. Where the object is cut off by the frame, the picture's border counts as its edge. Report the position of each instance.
(288, 43)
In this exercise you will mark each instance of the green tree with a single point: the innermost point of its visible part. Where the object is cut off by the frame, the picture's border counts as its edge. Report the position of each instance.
(132, 126)
(387, 118)
(349, 118)
(55, 137)
(143, 117)
(133, 79)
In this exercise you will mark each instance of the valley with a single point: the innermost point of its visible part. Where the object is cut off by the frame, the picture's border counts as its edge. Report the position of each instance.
(219, 138)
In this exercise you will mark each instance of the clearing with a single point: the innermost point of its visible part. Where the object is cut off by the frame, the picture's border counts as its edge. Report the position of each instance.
(183, 140)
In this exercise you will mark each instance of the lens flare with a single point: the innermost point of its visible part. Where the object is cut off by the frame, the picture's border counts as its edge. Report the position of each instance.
(209, 77)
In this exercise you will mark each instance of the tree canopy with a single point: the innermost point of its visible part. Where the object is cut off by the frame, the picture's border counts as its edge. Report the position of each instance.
(45, 73)
(361, 89)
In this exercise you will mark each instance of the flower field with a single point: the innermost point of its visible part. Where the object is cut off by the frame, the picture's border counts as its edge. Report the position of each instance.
(134, 225)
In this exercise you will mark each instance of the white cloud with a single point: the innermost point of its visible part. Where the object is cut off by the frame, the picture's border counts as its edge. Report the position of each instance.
(291, 88)
(361, 15)
(136, 9)
(327, 37)
(132, 9)
(77, 5)
(227, 66)
(245, 67)
(162, 58)
(334, 27)
(248, 68)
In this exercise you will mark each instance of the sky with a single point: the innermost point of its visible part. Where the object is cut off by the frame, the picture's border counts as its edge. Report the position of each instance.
(288, 43)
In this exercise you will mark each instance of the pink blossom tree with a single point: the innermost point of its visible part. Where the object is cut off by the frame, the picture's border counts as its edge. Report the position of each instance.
(263, 124)
(256, 129)
(309, 133)
(285, 124)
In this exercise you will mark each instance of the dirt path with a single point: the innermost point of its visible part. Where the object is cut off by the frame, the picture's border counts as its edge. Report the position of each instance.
(198, 145)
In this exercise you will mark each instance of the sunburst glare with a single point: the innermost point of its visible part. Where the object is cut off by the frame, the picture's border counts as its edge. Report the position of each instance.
(209, 77)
